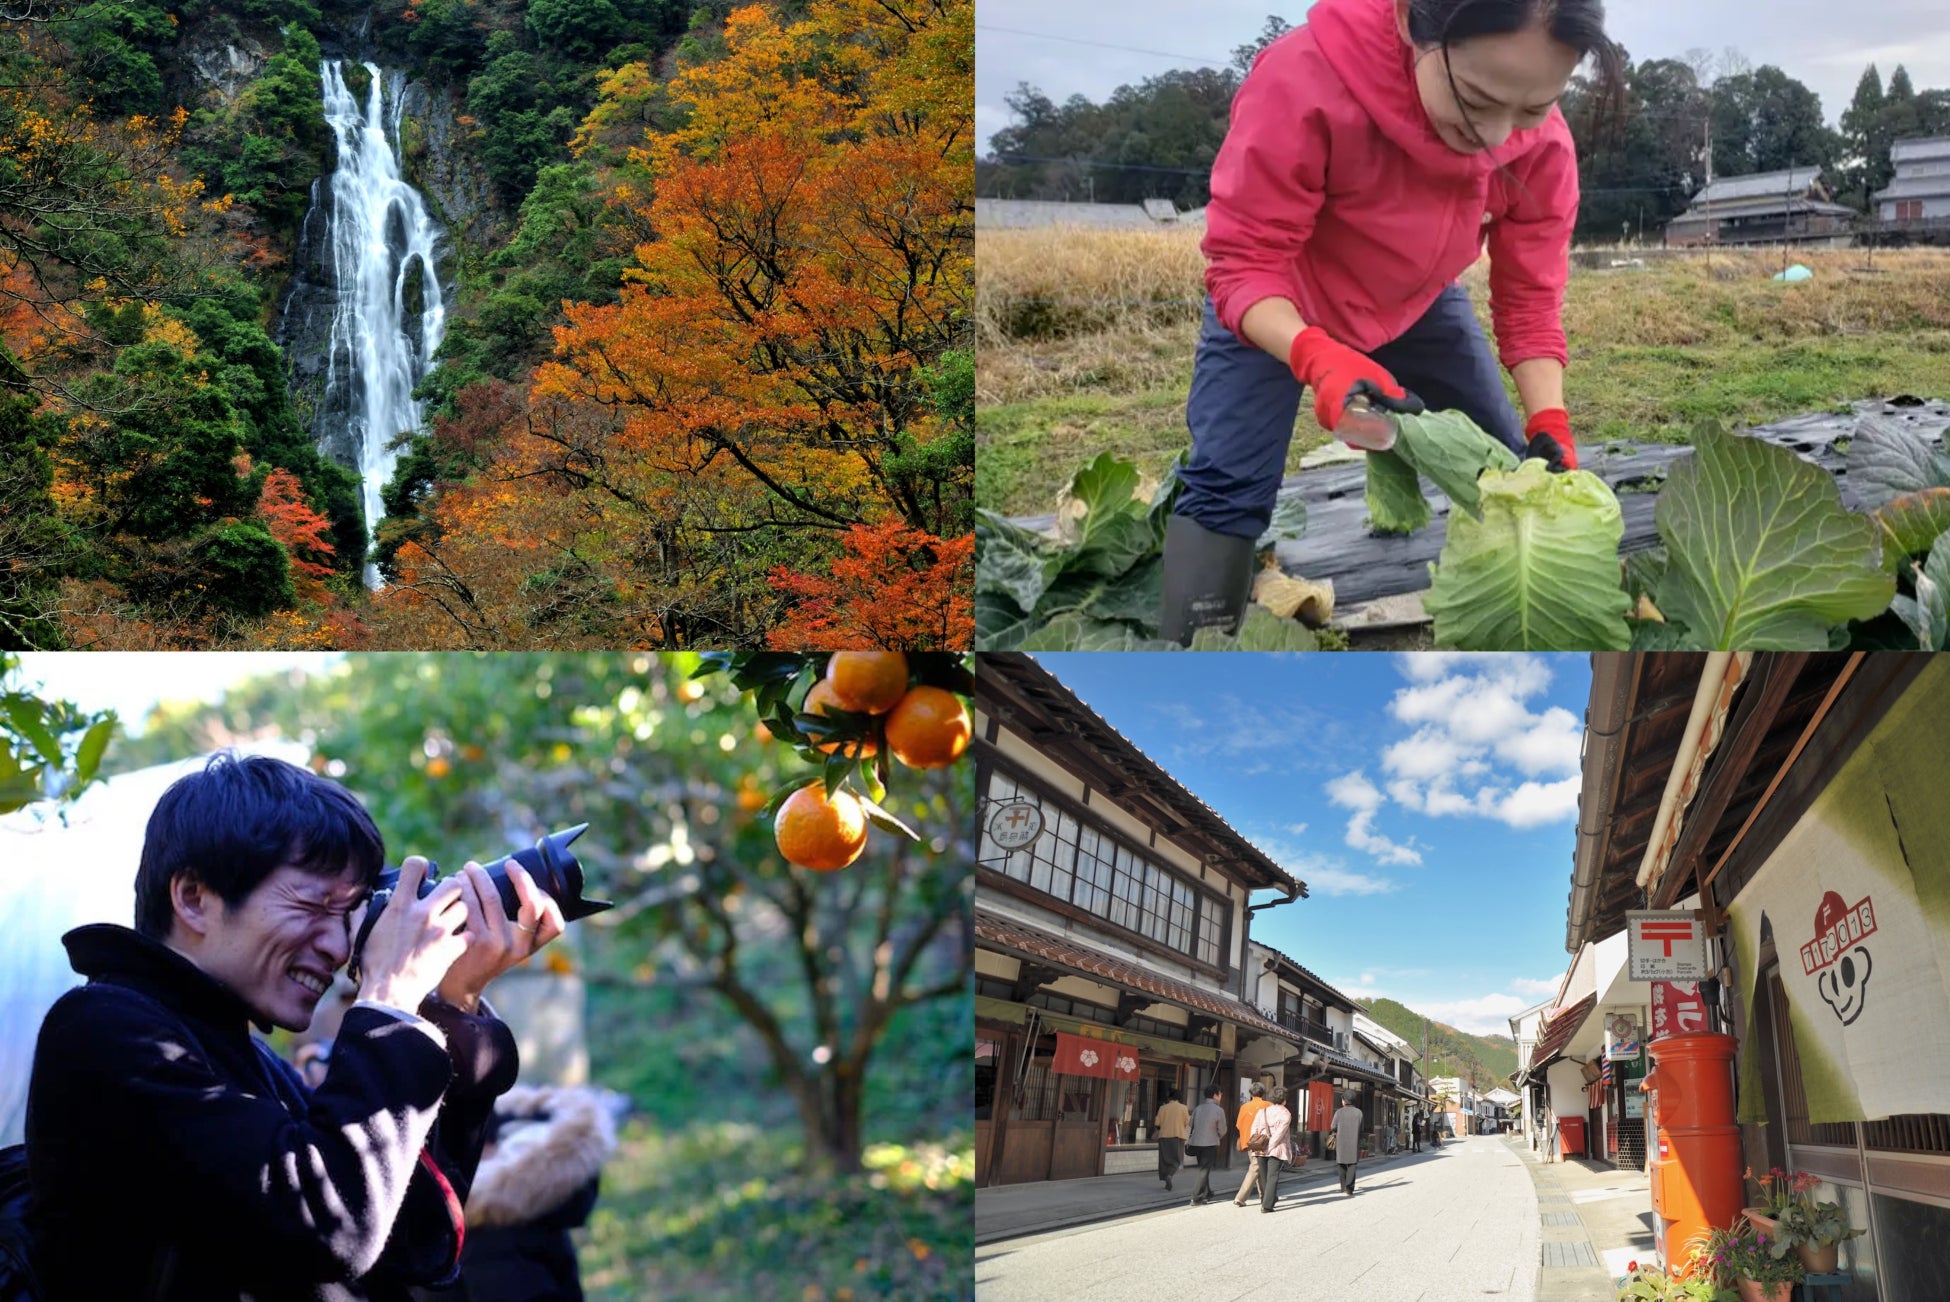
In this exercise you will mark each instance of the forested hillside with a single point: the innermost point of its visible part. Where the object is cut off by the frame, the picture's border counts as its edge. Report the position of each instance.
(1486, 1061)
(705, 376)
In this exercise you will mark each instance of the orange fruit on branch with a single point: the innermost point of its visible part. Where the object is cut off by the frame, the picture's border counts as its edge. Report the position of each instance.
(818, 833)
(867, 682)
(929, 729)
(821, 700)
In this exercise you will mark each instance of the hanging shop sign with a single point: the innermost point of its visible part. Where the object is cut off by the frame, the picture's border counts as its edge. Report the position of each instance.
(1079, 1055)
(1677, 1008)
(1665, 946)
(1623, 1038)
(1859, 904)
(1015, 824)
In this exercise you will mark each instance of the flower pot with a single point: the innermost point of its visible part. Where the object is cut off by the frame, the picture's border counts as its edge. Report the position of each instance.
(1820, 1261)
(1760, 1220)
(1752, 1291)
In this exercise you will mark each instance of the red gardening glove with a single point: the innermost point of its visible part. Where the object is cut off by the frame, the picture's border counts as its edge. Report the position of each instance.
(1549, 439)
(1336, 374)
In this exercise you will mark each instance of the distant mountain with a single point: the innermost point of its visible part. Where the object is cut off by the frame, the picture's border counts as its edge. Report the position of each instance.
(1486, 1061)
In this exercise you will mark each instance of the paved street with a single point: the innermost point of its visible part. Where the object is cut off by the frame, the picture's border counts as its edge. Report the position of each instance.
(1431, 1227)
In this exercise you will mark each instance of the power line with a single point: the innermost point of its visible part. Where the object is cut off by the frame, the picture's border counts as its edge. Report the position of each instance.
(1103, 45)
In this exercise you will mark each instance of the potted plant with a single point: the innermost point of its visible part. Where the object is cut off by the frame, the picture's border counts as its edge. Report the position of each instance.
(1817, 1231)
(1758, 1273)
(1778, 1192)
(1652, 1284)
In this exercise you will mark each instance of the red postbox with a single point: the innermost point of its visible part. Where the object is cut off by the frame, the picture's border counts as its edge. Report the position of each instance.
(1570, 1136)
(1695, 1166)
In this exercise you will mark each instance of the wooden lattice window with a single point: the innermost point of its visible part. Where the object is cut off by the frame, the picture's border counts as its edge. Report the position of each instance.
(1799, 1129)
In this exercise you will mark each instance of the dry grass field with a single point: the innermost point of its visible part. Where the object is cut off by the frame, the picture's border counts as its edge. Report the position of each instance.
(1085, 342)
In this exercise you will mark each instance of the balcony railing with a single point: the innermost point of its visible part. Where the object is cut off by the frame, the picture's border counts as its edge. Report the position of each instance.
(1318, 1032)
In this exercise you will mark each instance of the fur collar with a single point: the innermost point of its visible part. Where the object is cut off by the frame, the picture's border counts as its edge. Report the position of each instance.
(538, 1163)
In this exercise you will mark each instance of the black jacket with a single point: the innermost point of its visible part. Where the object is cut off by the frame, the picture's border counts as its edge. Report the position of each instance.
(173, 1156)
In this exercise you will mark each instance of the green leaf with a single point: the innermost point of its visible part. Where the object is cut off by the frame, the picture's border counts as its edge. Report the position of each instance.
(885, 821)
(1539, 570)
(1887, 460)
(1911, 524)
(28, 719)
(1928, 613)
(1651, 635)
(1289, 521)
(1074, 632)
(19, 784)
(1136, 598)
(1103, 490)
(714, 662)
(94, 743)
(1643, 571)
(1763, 555)
(838, 766)
(872, 782)
(1260, 630)
(1114, 546)
(1011, 561)
(1453, 451)
(1395, 501)
(1000, 625)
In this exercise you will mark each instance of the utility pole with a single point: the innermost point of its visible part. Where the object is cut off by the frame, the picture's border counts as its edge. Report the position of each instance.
(1712, 232)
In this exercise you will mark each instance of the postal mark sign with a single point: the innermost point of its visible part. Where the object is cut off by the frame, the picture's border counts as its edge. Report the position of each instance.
(1665, 946)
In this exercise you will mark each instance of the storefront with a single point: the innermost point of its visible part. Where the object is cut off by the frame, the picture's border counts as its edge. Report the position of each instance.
(1799, 796)
(1110, 921)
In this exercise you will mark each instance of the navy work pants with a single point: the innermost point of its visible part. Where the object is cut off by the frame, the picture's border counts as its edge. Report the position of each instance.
(1244, 402)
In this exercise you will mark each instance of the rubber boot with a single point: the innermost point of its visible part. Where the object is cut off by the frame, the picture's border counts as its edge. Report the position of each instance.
(1207, 577)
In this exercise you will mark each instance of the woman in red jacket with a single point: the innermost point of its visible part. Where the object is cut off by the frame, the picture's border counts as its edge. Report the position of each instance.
(1371, 154)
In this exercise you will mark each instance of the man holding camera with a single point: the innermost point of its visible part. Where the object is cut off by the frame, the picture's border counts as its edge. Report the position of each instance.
(173, 1156)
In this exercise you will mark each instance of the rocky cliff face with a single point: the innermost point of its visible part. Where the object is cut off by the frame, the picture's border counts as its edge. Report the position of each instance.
(434, 160)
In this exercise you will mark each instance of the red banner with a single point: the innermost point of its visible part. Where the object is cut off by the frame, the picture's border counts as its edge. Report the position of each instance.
(1076, 1056)
(1123, 1062)
(1676, 1006)
(1320, 1105)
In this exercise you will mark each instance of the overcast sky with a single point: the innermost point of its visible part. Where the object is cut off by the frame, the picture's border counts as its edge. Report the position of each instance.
(1823, 44)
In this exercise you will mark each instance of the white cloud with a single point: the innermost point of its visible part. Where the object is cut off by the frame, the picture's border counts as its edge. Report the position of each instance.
(1475, 737)
(1323, 874)
(1362, 837)
(1354, 791)
(1536, 989)
(1484, 1015)
(1296, 829)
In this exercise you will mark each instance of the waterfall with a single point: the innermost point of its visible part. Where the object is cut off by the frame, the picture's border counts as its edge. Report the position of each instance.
(389, 309)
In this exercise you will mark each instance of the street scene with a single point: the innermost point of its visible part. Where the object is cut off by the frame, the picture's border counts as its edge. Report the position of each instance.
(1436, 976)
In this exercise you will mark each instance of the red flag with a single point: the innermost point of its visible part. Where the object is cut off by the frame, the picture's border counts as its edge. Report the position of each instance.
(1320, 1105)
(1076, 1056)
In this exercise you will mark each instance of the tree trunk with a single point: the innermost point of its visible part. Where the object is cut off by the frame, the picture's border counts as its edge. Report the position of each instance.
(829, 1108)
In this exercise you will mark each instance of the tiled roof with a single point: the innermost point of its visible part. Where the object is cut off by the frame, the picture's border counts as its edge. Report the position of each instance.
(1560, 1029)
(1305, 972)
(1762, 185)
(1034, 941)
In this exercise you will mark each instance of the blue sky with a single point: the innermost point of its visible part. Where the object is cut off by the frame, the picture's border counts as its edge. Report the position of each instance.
(1428, 800)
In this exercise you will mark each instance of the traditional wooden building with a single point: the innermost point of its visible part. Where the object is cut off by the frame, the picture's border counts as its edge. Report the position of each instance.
(1766, 208)
(1798, 797)
(1920, 189)
(1111, 931)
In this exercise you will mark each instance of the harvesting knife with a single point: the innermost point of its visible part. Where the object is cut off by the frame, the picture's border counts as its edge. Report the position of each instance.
(1368, 420)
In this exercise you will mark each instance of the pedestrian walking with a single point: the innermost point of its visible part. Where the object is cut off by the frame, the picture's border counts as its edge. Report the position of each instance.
(1347, 1143)
(1208, 1131)
(1356, 183)
(1174, 1123)
(1420, 1125)
(1247, 1111)
(1276, 1123)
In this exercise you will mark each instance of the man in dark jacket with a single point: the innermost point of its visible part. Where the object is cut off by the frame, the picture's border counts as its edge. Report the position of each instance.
(173, 1156)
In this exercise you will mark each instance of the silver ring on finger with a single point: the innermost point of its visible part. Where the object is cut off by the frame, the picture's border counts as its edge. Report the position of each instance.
(529, 930)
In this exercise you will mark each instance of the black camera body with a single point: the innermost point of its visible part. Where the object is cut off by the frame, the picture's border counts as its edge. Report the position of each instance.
(549, 862)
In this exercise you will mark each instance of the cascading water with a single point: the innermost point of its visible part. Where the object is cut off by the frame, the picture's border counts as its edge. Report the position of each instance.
(389, 309)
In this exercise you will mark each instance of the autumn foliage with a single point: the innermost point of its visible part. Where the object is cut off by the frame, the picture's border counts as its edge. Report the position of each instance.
(742, 448)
